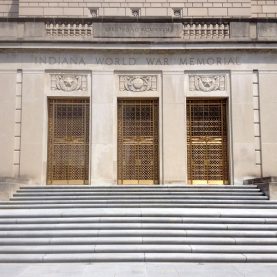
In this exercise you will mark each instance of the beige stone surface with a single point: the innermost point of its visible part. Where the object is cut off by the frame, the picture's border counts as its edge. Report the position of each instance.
(9, 8)
(172, 134)
(174, 144)
(265, 8)
(268, 102)
(192, 8)
(34, 122)
(269, 151)
(103, 126)
(9, 187)
(242, 126)
(7, 121)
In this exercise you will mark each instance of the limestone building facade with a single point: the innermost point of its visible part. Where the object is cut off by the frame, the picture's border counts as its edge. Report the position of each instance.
(138, 92)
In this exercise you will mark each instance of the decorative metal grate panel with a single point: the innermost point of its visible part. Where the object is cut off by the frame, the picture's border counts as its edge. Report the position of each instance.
(138, 142)
(68, 141)
(207, 142)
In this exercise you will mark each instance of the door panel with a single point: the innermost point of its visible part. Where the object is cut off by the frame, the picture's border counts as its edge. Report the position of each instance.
(138, 142)
(68, 141)
(207, 142)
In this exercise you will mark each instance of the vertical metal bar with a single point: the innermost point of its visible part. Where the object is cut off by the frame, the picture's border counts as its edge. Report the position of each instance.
(222, 142)
(190, 142)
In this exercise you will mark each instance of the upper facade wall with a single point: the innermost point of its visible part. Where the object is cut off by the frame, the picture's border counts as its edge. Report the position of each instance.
(265, 8)
(9, 8)
(177, 8)
(191, 8)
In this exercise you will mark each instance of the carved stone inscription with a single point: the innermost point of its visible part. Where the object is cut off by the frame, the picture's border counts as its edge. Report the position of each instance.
(136, 30)
(137, 83)
(207, 83)
(127, 60)
(69, 82)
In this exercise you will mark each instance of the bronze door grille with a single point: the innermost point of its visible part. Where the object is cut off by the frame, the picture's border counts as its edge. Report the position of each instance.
(138, 142)
(68, 141)
(207, 142)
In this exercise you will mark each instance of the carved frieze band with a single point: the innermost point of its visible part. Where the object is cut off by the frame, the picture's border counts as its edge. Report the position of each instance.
(68, 30)
(195, 30)
(138, 83)
(206, 31)
(207, 83)
(69, 82)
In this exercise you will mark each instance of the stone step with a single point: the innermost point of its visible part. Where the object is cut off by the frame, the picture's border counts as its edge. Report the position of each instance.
(136, 226)
(142, 193)
(139, 224)
(125, 201)
(132, 190)
(138, 212)
(142, 219)
(137, 233)
(140, 187)
(203, 240)
(138, 205)
(132, 197)
(137, 257)
(137, 248)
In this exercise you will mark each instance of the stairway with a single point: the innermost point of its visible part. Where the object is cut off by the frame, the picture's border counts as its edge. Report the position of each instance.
(138, 224)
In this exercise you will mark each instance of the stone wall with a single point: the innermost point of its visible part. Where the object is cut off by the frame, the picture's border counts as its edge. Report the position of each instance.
(248, 84)
(177, 8)
(266, 8)
(9, 8)
(191, 8)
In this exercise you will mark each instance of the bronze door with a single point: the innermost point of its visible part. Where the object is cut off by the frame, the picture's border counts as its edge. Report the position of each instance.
(207, 142)
(68, 141)
(138, 142)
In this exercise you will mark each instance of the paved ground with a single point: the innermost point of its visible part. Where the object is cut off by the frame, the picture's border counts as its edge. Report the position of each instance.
(138, 270)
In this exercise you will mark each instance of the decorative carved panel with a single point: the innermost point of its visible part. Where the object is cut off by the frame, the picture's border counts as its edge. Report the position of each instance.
(206, 31)
(69, 82)
(138, 83)
(207, 83)
(68, 30)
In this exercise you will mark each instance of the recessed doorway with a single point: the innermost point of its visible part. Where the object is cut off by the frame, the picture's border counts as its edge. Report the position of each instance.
(68, 141)
(207, 141)
(138, 141)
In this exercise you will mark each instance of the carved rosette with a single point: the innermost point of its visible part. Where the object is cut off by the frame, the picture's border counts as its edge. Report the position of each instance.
(137, 83)
(207, 83)
(68, 82)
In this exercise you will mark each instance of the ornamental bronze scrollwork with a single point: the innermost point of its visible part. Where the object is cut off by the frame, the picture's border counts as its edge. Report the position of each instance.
(138, 83)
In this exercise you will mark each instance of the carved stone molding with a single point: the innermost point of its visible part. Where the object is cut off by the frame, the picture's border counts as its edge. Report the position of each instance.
(207, 83)
(68, 30)
(206, 31)
(69, 82)
(138, 83)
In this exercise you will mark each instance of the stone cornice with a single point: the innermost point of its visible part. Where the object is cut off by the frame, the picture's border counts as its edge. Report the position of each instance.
(185, 33)
(125, 46)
